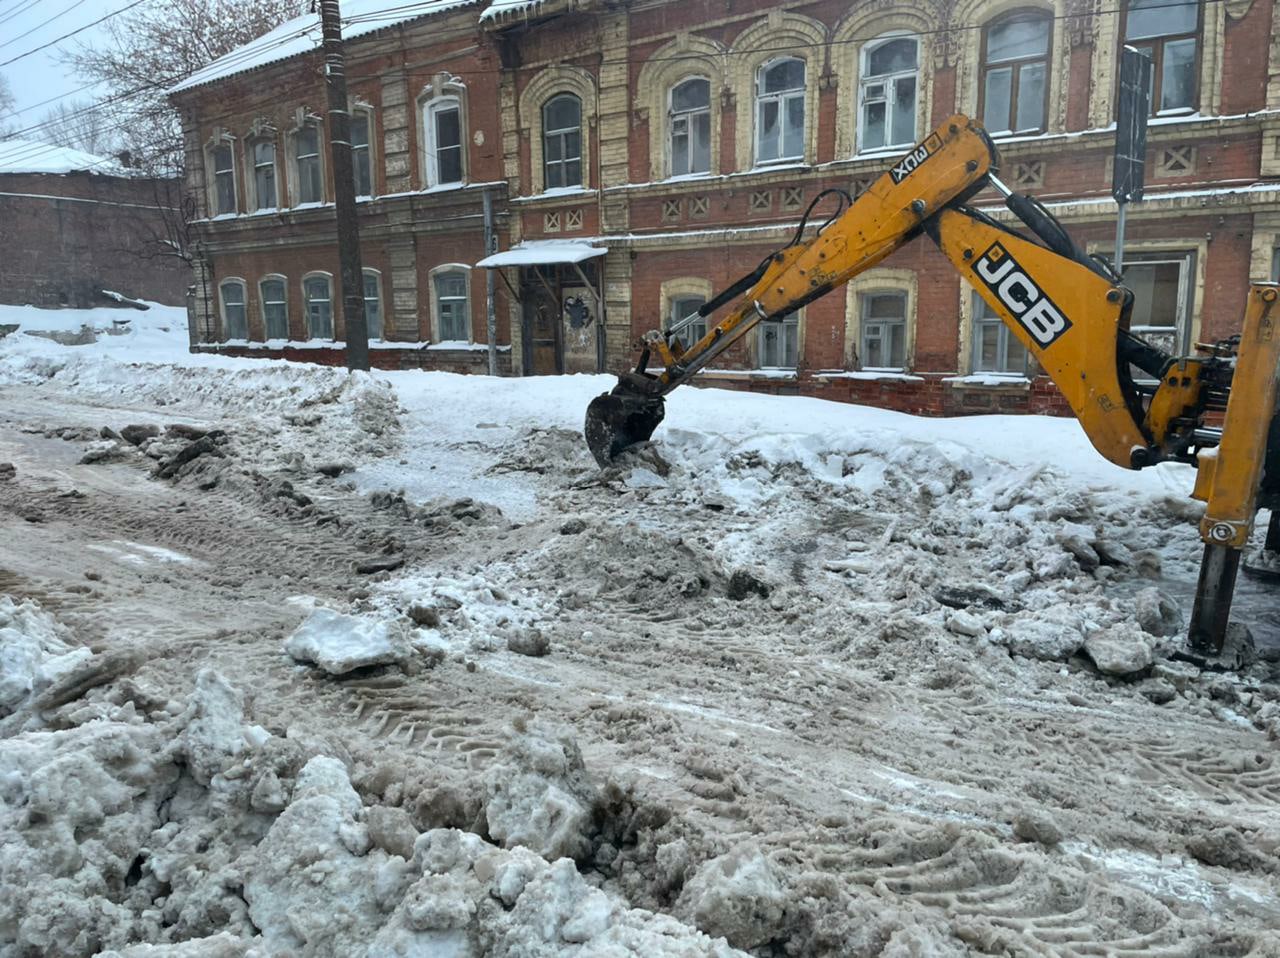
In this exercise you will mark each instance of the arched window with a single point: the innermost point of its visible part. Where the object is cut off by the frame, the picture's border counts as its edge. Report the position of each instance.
(262, 156)
(452, 304)
(235, 321)
(1015, 72)
(689, 117)
(884, 330)
(221, 160)
(362, 151)
(442, 119)
(887, 93)
(562, 141)
(373, 303)
(1169, 33)
(273, 292)
(306, 163)
(317, 293)
(780, 111)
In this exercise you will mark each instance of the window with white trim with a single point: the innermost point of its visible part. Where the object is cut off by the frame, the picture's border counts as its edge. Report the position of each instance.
(682, 307)
(453, 311)
(224, 178)
(317, 293)
(689, 117)
(884, 330)
(235, 320)
(1169, 33)
(361, 155)
(779, 343)
(995, 348)
(887, 93)
(562, 141)
(1015, 72)
(444, 141)
(1163, 298)
(373, 303)
(780, 111)
(263, 156)
(273, 293)
(306, 162)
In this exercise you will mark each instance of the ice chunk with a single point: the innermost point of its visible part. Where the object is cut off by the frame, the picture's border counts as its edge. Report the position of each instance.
(340, 643)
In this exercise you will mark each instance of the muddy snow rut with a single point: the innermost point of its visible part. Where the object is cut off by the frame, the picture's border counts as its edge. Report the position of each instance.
(897, 775)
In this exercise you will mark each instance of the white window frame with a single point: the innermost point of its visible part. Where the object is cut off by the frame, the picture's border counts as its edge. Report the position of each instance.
(243, 304)
(890, 80)
(365, 113)
(694, 331)
(1161, 40)
(251, 161)
(789, 323)
(430, 109)
(445, 269)
(1185, 259)
(561, 132)
(864, 320)
(296, 159)
(980, 309)
(1016, 65)
(215, 205)
(376, 276)
(782, 97)
(306, 304)
(263, 302)
(688, 116)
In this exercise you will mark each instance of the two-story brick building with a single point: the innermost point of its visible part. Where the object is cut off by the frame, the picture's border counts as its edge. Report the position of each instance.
(641, 156)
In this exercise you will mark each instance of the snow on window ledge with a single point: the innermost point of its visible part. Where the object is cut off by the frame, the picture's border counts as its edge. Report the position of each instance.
(461, 345)
(991, 380)
(871, 375)
(554, 193)
(749, 373)
(374, 344)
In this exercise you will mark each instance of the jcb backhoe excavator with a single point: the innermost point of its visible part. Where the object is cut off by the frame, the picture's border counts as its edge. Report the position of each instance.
(1216, 410)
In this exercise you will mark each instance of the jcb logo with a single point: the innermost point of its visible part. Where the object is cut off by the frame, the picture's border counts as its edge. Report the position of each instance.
(1001, 274)
(911, 162)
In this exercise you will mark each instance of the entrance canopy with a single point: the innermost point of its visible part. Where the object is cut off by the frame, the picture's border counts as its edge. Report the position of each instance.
(543, 253)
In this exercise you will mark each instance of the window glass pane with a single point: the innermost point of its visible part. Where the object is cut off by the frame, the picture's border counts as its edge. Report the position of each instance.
(309, 180)
(679, 152)
(682, 307)
(1015, 355)
(1155, 18)
(691, 95)
(886, 306)
(785, 75)
(554, 175)
(361, 171)
(986, 347)
(1155, 293)
(555, 147)
(226, 192)
(790, 344)
(1275, 266)
(895, 56)
(770, 132)
(561, 113)
(319, 308)
(897, 344)
(573, 173)
(1178, 76)
(233, 294)
(274, 312)
(1030, 97)
(995, 106)
(222, 159)
(793, 135)
(451, 306)
(372, 306)
(1017, 37)
(448, 128)
(360, 129)
(308, 141)
(904, 110)
(873, 125)
(700, 155)
(572, 145)
(449, 164)
(452, 284)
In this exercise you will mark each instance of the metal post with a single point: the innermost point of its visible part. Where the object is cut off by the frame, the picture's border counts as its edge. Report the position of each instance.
(1119, 257)
(344, 188)
(490, 247)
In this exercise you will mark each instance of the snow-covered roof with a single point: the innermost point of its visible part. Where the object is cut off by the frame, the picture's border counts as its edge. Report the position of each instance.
(302, 35)
(543, 252)
(32, 156)
(501, 10)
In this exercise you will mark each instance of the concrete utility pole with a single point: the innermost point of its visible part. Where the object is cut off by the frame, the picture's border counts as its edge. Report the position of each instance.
(490, 247)
(344, 188)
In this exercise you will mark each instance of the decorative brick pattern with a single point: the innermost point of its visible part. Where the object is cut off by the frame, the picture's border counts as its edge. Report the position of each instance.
(792, 197)
(761, 201)
(1176, 161)
(699, 205)
(1029, 175)
(572, 220)
(551, 222)
(670, 210)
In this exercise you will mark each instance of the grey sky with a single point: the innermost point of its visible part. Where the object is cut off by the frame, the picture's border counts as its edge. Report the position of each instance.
(41, 76)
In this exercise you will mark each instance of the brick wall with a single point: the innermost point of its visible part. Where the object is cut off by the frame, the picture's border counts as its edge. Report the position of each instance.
(64, 238)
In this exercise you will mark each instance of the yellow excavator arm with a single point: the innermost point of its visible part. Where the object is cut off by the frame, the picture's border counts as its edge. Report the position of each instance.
(1138, 405)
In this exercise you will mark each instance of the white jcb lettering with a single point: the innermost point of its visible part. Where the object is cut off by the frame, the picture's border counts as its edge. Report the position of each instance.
(994, 276)
(1018, 302)
(1044, 322)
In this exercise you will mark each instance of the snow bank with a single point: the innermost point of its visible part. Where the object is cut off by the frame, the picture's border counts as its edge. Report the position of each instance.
(32, 156)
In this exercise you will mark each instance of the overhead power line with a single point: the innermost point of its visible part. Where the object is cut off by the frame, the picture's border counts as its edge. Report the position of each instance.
(41, 26)
(44, 46)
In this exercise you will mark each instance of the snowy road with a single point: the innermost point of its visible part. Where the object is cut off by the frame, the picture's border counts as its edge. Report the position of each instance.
(826, 667)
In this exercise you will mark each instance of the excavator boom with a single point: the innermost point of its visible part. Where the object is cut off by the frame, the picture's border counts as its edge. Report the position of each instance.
(1138, 405)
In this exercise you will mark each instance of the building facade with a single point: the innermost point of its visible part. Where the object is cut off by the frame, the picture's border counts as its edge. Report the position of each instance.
(640, 157)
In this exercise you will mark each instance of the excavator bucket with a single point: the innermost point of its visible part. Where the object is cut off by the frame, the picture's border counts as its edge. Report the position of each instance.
(619, 419)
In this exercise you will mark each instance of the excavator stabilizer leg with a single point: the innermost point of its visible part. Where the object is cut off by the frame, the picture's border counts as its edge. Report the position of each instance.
(1229, 478)
(619, 419)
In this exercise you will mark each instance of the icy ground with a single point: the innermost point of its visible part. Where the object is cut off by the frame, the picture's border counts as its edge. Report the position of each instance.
(297, 663)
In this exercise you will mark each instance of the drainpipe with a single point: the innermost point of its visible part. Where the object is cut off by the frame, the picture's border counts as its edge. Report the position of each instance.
(490, 247)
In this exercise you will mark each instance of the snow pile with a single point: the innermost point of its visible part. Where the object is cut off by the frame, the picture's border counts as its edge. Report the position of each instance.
(32, 156)
(34, 655)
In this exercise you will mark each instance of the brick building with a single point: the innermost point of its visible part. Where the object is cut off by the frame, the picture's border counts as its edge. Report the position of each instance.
(73, 224)
(641, 156)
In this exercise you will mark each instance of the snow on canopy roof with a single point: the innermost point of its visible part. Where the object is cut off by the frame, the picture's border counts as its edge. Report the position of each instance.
(543, 252)
(302, 35)
(501, 10)
(32, 156)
